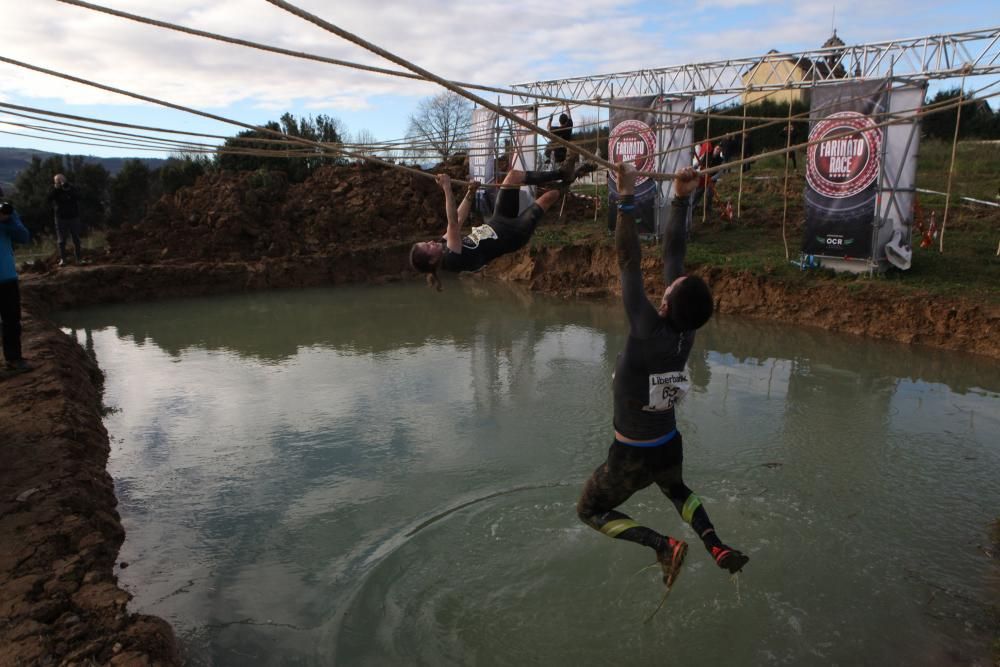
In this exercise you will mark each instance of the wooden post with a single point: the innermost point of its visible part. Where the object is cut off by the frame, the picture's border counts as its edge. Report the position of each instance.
(951, 167)
(708, 179)
(788, 143)
(743, 145)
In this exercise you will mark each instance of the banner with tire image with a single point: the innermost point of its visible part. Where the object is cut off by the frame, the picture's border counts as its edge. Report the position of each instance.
(654, 141)
(843, 172)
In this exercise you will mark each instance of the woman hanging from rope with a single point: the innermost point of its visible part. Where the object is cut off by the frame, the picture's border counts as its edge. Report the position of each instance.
(508, 230)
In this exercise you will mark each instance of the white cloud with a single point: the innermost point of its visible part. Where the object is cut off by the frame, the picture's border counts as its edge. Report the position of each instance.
(496, 44)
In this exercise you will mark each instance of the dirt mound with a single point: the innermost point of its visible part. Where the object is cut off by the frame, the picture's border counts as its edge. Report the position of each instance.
(249, 216)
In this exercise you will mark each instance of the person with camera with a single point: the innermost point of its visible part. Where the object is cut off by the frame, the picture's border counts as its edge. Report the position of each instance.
(67, 213)
(11, 231)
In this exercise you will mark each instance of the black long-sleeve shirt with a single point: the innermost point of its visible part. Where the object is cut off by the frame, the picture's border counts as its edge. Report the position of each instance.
(650, 377)
(64, 201)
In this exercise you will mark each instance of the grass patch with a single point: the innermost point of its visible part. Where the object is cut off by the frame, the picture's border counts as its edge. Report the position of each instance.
(968, 267)
(43, 247)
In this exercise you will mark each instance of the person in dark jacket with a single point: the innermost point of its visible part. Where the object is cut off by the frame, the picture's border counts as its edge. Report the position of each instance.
(649, 381)
(556, 153)
(11, 231)
(66, 207)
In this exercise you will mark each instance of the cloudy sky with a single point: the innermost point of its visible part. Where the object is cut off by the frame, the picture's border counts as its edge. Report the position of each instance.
(491, 43)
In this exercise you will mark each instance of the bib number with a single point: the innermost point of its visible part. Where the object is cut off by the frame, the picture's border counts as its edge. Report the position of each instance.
(480, 233)
(666, 390)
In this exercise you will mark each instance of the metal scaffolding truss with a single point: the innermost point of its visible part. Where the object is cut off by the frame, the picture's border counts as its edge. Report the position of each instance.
(971, 53)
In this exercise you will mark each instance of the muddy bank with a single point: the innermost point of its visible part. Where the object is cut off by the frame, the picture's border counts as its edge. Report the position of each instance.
(59, 530)
(855, 308)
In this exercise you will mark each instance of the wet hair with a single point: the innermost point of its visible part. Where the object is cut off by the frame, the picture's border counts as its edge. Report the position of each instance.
(422, 263)
(689, 304)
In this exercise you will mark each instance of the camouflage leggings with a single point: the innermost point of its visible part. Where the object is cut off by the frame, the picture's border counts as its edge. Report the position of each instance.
(629, 469)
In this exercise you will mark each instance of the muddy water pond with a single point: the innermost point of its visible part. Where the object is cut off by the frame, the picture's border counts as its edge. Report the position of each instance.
(387, 476)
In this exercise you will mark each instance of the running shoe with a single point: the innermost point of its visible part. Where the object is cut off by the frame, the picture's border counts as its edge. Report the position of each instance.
(729, 559)
(671, 559)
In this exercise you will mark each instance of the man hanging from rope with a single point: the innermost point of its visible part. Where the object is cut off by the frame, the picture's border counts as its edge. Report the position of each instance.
(508, 230)
(554, 152)
(649, 380)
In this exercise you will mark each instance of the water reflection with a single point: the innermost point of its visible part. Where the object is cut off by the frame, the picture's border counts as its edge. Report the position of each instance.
(275, 455)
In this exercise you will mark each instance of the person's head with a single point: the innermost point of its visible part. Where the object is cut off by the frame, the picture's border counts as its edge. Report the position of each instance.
(6, 210)
(564, 119)
(687, 303)
(425, 257)
(59, 180)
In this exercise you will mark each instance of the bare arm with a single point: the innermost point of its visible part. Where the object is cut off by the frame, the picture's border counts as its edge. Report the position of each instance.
(452, 236)
(466, 206)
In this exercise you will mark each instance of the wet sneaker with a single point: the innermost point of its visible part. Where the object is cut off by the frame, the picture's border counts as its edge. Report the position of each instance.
(671, 559)
(729, 559)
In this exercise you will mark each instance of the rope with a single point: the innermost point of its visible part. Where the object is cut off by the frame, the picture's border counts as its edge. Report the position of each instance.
(221, 119)
(951, 167)
(784, 210)
(344, 34)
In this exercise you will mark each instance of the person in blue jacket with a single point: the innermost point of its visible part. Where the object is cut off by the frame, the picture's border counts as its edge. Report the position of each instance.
(11, 231)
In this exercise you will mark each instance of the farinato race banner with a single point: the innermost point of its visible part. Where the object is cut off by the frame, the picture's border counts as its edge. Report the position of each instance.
(633, 139)
(654, 141)
(842, 172)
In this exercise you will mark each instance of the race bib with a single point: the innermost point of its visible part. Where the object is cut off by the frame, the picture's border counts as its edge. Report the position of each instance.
(480, 233)
(666, 390)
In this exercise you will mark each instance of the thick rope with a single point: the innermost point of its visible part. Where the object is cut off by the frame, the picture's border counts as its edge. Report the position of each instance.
(784, 210)
(335, 61)
(221, 119)
(951, 168)
(483, 102)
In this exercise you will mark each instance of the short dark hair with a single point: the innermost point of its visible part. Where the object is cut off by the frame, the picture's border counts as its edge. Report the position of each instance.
(563, 119)
(6, 208)
(690, 304)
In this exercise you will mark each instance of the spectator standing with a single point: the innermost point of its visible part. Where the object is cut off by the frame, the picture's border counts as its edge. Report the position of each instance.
(66, 208)
(11, 231)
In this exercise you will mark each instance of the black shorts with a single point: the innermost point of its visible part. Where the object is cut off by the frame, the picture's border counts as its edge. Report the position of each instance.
(505, 215)
(630, 469)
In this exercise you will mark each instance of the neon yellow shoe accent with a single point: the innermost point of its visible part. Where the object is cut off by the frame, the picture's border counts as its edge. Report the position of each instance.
(690, 505)
(618, 526)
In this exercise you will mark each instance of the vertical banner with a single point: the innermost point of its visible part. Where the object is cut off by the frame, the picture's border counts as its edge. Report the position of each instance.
(843, 171)
(496, 140)
(656, 140)
(482, 145)
(675, 134)
(632, 138)
(524, 144)
(893, 239)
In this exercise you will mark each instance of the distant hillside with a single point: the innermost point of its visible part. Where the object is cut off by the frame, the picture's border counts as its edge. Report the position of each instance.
(13, 160)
